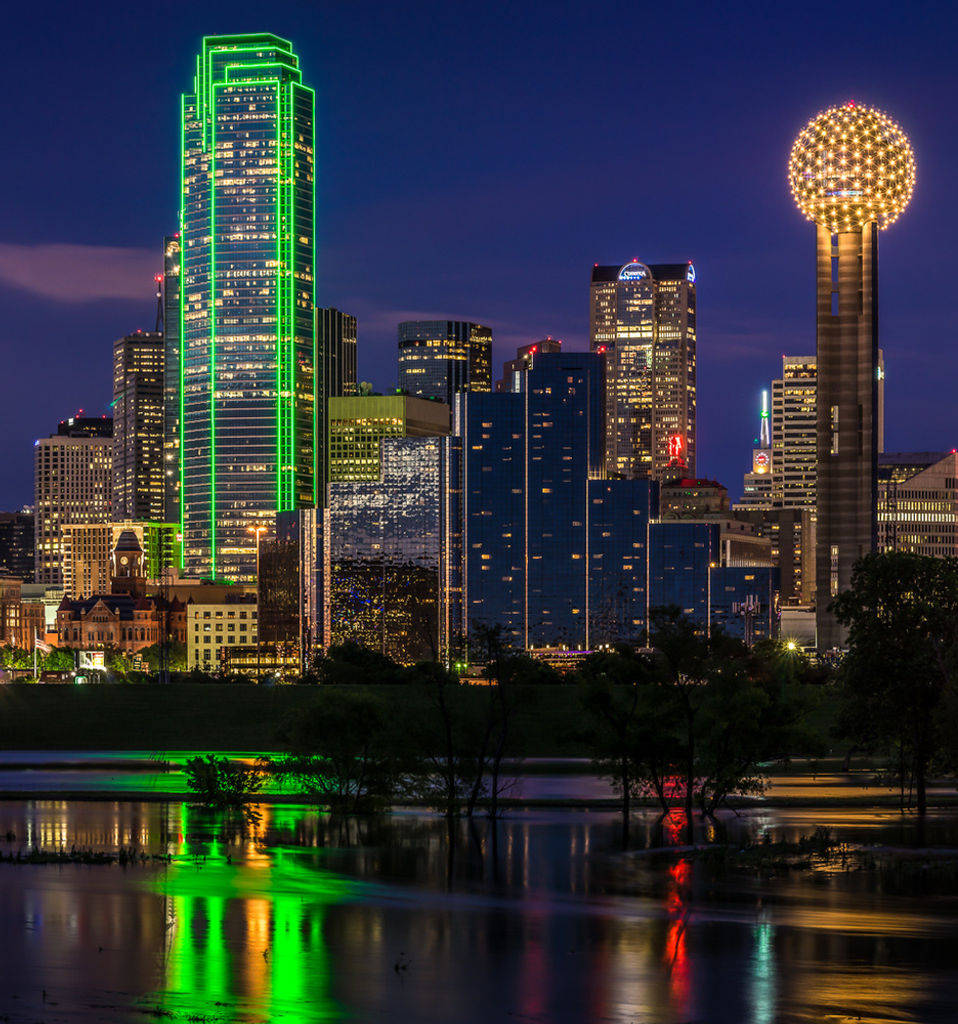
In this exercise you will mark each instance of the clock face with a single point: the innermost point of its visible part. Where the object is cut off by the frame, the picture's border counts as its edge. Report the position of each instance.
(761, 461)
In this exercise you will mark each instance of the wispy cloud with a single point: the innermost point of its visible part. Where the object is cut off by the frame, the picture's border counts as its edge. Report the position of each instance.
(79, 273)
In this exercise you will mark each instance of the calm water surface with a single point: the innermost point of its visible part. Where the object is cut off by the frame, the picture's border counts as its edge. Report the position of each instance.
(298, 918)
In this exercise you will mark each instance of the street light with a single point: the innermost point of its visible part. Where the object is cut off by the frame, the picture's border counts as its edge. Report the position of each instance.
(258, 531)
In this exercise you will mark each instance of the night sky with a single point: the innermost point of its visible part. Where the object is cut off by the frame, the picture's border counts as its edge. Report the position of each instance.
(474, 162)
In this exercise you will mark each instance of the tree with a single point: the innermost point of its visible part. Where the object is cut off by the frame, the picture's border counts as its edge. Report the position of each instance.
(351, 663)
(631, 726)
(175, 656)
(682, 655)
(222, 783)
(444, 739)
(504, 670)
(690, 720)
(342, 753)
(898, 676)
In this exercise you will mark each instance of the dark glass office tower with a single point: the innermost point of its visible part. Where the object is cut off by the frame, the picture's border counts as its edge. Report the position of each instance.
(138, 482)
(438, 358)
(335, 378)
(336, 334)
(247, 404)
(550, 549)
(16, 544)
(388, 553)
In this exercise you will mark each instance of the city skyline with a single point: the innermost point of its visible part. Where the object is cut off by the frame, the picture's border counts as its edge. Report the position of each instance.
(754, 307)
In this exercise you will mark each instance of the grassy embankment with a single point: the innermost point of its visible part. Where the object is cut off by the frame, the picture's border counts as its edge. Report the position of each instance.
(213, 717)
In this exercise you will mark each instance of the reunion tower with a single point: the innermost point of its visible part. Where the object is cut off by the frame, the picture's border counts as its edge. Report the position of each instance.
(852, 172)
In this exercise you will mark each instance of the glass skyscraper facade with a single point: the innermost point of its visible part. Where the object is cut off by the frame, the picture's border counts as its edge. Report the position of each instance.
(336, 332)
(690, 570)
(358, 424)
(388, 553)
(247, 341)
(548, 548)
(138, 373)
(171, 377)
(643, 324)
(438, 358)
(336, 337)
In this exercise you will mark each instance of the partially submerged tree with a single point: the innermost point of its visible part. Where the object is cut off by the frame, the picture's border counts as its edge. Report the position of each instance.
(630, 727)
(221, 783)
(899, 673)
(688, 721)
(342, 753)
(444, 741)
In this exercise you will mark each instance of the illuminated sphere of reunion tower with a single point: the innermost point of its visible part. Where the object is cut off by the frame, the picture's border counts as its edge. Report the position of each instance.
(851, 166)
(852, 172)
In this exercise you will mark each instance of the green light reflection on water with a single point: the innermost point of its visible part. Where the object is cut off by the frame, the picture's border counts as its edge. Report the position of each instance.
(245, 939)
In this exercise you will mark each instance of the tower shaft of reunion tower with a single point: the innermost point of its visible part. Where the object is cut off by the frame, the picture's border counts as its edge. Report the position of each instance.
(852, 171)
(847, 414)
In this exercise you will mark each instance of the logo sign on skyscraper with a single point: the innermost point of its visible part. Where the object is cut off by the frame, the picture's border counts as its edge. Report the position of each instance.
(633, 271)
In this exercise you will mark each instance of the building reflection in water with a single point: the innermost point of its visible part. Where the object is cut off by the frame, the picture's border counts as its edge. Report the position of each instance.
(245, 924)
(298, 917)
(676, 954)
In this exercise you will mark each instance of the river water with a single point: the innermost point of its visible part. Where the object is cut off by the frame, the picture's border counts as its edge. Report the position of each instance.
(299, 918)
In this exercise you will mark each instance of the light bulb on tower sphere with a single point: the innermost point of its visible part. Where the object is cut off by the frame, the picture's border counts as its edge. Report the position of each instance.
(851, 166)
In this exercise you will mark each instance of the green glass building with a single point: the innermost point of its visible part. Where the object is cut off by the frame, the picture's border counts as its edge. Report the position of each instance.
(247, 344)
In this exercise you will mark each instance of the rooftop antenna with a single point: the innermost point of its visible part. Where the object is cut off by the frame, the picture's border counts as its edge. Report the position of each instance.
(765, 429)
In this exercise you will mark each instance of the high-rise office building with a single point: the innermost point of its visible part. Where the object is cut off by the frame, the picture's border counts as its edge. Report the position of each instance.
(643, 322)
(357, 426)
(247, 293)
(548, 548)
(852, 172)
(336, 334)
(795, 430)
(791, 535)
(795, 433)
(438, 358)
(524, 356)
(139, 490)
(170, 297)
(757, 483)
(73, 478)
(918, 503)
(16, 544)
(335, 378)
(388, 553)
(85, 426)
(697, 566)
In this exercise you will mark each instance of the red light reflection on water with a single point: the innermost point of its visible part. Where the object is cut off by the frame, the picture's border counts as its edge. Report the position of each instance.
(675, 955)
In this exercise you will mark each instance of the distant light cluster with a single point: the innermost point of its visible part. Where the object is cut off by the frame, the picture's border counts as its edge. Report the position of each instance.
(850, 166)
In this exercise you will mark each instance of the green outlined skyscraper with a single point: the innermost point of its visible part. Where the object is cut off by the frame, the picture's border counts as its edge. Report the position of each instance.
(247, 416)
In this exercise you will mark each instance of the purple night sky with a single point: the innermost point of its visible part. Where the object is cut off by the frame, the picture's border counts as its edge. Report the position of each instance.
(474, 162)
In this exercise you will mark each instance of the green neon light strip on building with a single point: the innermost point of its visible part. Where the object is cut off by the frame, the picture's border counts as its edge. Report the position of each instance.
(220, 66)
(213, 342)
(280, 306)
(182, 300)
